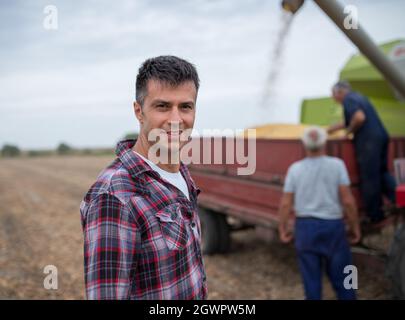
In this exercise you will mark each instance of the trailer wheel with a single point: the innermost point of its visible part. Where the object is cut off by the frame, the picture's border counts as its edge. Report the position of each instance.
(223, 233)
(215, 232)
(396, 264)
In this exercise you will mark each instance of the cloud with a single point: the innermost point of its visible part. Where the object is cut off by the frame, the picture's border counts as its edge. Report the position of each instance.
(76, 84)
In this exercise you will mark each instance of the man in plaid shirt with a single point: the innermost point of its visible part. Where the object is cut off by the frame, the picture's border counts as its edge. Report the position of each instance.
(140, 220)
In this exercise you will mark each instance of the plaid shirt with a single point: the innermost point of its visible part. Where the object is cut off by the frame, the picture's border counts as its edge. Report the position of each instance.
(141, 234)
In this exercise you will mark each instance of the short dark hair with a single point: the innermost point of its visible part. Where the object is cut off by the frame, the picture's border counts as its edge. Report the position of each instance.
(342, 84)
(167, 69)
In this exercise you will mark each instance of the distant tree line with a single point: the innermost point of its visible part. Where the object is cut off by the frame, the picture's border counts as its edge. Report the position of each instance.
(10, 150)
(64, 148)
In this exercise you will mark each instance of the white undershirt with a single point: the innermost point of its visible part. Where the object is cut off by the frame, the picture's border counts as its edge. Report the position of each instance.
(175, 178)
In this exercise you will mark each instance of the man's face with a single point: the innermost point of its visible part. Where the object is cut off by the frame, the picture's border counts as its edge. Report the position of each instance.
(338, 95)
(168, 110)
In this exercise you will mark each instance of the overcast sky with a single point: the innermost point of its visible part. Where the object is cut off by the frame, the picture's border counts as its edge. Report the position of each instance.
(76, 84)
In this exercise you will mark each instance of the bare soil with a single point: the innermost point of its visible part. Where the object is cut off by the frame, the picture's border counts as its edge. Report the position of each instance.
(40, 226)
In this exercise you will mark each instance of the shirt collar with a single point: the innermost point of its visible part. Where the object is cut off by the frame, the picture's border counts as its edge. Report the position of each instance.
(131, 161)
(136, 165)
(348, 96)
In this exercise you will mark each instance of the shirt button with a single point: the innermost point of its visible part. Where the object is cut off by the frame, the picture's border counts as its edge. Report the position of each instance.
(193, 224)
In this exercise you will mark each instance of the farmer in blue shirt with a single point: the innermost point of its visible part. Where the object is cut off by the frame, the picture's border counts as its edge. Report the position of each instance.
(371, 147)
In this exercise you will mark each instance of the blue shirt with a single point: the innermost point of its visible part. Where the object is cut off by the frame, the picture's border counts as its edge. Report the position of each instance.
(372, 127)
(315, 183)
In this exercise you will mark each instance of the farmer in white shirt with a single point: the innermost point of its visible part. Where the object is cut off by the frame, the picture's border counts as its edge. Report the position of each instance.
(318, 189)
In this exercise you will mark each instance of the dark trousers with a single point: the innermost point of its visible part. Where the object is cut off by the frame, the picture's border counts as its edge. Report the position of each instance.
(375, 180)
(322, 245)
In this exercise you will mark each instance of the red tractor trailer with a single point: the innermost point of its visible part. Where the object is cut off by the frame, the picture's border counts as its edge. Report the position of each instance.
(231, 201)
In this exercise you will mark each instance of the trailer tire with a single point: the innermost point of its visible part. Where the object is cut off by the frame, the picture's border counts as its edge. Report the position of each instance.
(395, 270)
(224, 234)
(214, 232)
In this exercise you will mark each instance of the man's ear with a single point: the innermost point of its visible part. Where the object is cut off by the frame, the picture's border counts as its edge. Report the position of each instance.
(138, 112)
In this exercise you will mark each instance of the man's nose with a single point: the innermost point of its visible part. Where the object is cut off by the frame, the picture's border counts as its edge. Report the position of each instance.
(175, 116)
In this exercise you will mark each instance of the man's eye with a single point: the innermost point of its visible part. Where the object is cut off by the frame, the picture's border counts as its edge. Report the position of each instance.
(161, 106)
(187, 106)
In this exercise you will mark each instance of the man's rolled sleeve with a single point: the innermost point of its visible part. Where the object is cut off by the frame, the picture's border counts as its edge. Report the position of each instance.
(351, 106)
(110, 248)
(344, 179)
(289, 183)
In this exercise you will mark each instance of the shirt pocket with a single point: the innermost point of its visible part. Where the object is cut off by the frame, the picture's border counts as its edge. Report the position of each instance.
(173, 227)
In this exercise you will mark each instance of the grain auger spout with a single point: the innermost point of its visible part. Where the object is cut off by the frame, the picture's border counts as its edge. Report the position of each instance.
(334, 10)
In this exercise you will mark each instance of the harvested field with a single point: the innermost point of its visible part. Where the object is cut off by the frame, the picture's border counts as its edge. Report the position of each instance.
(40, 225)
